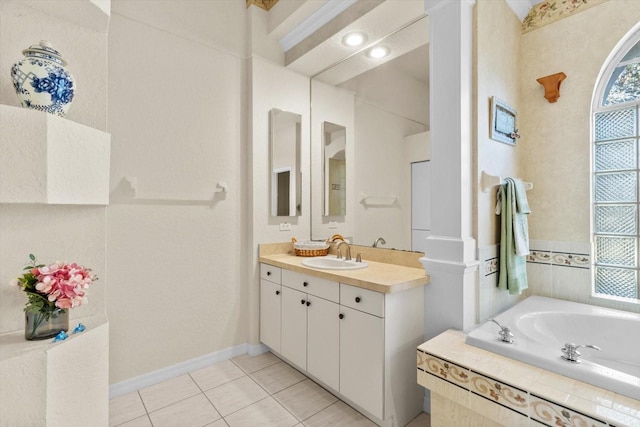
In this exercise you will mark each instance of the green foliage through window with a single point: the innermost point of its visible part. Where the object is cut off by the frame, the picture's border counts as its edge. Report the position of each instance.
(626, 86)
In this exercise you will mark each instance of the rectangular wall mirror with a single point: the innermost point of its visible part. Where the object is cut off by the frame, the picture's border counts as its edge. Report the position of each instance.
(286, 177)
(334, 144)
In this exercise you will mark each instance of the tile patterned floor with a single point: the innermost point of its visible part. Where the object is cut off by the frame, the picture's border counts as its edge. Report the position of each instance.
(242, 392)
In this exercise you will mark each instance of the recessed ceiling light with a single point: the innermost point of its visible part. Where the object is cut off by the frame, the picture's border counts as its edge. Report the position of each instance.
(378, 52)
(354, 39)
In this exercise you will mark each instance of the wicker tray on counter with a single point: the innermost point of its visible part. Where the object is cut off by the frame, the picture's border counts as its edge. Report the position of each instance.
(310, 248)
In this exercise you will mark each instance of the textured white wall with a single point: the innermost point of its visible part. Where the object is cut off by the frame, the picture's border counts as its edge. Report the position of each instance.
(52, 232)
(34, 375)
(177, 114)
(556, 137)
(497, 74)
(272, 86)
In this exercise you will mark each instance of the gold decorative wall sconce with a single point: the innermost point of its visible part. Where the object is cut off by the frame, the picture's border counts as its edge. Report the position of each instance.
(263, 4)
(551, 85)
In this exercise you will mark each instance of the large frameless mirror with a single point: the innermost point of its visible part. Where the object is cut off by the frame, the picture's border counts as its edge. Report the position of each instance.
(387, 150)
(334, 144)
(286, 177)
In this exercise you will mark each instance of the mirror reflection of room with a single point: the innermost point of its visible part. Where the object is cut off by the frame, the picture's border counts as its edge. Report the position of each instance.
(286, 188)
(335, 169)
(391, 139)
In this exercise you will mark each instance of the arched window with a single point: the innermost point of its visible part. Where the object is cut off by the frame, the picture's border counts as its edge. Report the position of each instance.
(616, 175)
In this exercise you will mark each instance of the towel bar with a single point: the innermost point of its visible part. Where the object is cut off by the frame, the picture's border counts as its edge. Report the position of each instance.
(489, 181)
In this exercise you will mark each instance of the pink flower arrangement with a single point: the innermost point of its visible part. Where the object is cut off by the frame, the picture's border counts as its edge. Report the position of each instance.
(58, 286)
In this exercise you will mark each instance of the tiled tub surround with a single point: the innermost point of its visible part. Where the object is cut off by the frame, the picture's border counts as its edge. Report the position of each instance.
(555, 269)
(473, 387)
(354, 332)
(542, 326)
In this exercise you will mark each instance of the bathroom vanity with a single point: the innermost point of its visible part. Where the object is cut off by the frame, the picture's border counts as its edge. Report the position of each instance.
(354, 332)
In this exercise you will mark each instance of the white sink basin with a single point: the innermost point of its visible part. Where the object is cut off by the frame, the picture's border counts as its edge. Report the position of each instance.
(333, 263)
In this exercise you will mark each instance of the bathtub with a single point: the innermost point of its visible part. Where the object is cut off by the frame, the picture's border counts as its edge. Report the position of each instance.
(541, 327)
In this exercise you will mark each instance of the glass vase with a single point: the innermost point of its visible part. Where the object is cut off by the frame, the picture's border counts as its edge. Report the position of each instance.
(40, 326)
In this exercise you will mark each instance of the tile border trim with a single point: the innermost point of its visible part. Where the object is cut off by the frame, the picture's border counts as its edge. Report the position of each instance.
(443, 368)
(560, 259)
(491, 265)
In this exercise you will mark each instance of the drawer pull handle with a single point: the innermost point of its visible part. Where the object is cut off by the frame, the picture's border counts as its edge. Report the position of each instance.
(341, 316)
(302, 301)
(305, 283)
(277, 292)
(268, 273)
(308, 303)
(357, 299)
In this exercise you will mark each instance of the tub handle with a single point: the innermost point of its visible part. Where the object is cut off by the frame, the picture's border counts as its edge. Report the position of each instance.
(571, 354)
(505, 333)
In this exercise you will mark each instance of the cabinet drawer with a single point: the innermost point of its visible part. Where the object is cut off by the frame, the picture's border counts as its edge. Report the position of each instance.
(362, 299)
(312, 285)
(270, 273)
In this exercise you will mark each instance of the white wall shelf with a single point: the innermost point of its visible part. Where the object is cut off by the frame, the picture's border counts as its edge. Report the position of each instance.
(51, 160)
(49, 381)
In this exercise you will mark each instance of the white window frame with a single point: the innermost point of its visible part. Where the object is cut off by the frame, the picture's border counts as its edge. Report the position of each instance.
(614, 61)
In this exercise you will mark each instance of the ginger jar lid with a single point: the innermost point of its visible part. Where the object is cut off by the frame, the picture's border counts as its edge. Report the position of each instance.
(44, 50)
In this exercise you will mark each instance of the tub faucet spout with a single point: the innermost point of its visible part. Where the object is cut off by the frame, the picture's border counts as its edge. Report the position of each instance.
(571, 354)
(505, 333)
(379, 240)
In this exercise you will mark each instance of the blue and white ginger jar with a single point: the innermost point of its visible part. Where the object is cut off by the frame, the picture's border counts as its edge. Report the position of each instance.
(41, 81)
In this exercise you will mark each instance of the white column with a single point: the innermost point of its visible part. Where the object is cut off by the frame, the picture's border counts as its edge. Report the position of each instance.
(450, 256)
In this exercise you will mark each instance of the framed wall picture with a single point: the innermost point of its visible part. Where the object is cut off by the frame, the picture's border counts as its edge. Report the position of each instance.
(503, 122)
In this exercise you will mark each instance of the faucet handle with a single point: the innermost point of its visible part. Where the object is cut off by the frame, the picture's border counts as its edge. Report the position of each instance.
(505, 332)
(359, 257)
(571, 354)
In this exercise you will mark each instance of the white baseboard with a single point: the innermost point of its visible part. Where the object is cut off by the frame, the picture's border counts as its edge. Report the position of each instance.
(155, 377)
(255, 350)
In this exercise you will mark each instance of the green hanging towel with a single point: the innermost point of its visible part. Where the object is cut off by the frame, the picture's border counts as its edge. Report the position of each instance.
(512, 207)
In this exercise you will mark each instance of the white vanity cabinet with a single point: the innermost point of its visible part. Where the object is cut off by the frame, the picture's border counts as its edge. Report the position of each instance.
(293, 340)
(358, 343)
(309, 337)
(270, 306)
(362, 347)
(323, 341)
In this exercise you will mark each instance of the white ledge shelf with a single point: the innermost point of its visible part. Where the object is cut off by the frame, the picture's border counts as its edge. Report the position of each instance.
(51, 160)
(45, 382)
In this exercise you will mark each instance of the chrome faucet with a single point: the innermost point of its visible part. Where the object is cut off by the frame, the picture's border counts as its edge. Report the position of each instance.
(571, 354)
(505, 333)
(348, 253)
(379, 240)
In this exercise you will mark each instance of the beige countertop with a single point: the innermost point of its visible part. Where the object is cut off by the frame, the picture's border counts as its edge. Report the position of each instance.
(378, 276)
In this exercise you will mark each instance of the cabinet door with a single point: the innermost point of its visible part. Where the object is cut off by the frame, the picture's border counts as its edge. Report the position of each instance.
(362, 359)
(294, 327)
(323, 341)
(270, 304)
